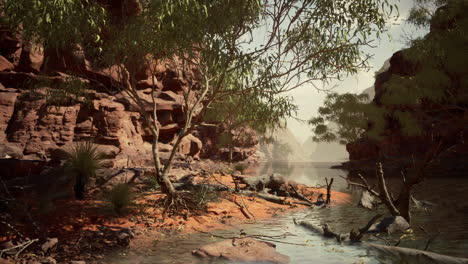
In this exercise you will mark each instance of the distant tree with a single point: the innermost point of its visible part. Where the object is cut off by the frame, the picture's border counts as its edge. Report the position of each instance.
(249, 110)
(303, 42)
(344, 118)
(281, 151)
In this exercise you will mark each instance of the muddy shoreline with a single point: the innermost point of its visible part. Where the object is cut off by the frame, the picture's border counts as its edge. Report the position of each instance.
(88, 230)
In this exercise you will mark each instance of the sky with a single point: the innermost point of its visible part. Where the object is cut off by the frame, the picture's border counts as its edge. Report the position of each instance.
(309, 99)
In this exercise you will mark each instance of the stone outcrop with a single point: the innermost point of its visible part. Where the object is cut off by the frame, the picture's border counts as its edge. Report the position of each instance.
(436, 118)
(33, 128)
(38, 130)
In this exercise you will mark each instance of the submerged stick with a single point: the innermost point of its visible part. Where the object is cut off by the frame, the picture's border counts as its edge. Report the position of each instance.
(410, 255)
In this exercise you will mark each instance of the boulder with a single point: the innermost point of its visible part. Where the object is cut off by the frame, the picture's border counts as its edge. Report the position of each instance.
(31, 58)
(49, 245)
(5, 65)
(242, 250)
(367, 200)
(190, 145)
(274, 182)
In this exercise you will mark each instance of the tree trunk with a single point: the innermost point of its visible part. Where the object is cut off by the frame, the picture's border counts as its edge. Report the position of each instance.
(231, 151)
(404, 203)
(162, 178)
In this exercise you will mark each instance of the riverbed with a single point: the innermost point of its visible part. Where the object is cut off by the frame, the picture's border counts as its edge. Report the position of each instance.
(448, 222)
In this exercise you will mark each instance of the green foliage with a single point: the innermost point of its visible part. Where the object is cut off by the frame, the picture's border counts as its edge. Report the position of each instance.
(65, 92)
(430, 89)
(203, 194)
(240, 50)
(240, 167)
(423, 11)
(344, 118)
(83, 161)
(58, 23)
(120, 197)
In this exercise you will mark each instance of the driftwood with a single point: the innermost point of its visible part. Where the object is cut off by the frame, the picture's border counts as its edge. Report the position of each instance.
(300, 196)
(400, 254)
(355, 237)
(325, 230)
(409, 255)
(265, 196)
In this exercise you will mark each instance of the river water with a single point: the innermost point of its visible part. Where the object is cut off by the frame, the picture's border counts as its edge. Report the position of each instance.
(447, 221)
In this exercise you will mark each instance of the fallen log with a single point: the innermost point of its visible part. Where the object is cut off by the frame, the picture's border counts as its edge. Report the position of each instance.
(325, 230)
(268, 197)
(409, 255)
(300, 196)
(356, 237)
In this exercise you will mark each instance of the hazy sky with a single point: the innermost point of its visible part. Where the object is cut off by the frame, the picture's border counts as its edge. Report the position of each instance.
(309, 100)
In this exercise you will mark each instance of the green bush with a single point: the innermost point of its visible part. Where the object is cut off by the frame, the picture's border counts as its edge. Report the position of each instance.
(120, 197)
(203, 194)
(240, 167)
(83, 161)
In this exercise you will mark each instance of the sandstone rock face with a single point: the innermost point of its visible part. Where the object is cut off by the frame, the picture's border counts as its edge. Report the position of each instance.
(32, 127)
(5, 64)
(242, 250)
(31, 58)
(40, 131)
(245, 143)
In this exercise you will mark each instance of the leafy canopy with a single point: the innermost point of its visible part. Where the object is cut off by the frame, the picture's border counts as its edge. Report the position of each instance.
(432, 87)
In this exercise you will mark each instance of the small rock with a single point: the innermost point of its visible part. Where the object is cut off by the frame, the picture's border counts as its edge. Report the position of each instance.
(123, 239)
(77, 262)
(242, 250)
(49, 245)
(127, 231)
(367, 200)
(48, 260)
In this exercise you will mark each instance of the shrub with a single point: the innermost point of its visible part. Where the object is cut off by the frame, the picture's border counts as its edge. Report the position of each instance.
(120, 197)
(83, 161)
(203, 194)
(240, 167)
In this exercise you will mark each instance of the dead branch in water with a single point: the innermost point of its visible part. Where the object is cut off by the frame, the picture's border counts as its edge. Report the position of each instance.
(260, 237)
(356, 237)
(410, 255)
(384, 195)
(244, 209)
(365, 185)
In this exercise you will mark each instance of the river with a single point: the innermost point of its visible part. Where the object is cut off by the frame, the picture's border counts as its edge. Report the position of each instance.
(447, 222)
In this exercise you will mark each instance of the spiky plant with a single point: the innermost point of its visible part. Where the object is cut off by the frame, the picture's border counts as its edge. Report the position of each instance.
(120, 197)
(83, 161)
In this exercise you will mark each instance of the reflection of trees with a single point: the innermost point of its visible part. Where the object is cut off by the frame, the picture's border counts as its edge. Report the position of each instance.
(286, 169)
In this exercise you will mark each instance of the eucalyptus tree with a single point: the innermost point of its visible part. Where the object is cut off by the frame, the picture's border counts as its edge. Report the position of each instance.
(344, 118)
(272, 46)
